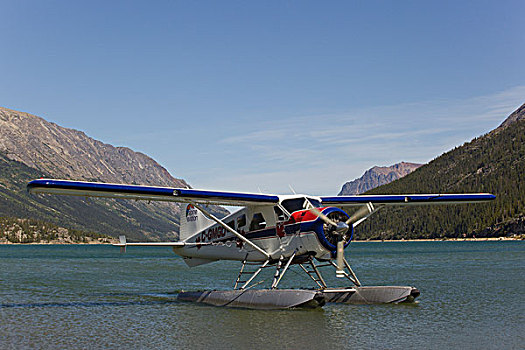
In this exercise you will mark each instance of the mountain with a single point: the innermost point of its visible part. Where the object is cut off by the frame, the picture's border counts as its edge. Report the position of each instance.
(68, 153)
(378, 176)
(31, 147)
(494, 162)
(516, 116)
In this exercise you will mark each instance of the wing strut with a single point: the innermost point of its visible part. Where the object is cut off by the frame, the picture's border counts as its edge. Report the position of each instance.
(220, 222)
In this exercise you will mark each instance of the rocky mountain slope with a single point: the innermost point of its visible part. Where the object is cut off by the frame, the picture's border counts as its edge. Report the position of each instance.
(378, 176)
(68, 153)
(31, 147)
(517, 115)
(494, 162)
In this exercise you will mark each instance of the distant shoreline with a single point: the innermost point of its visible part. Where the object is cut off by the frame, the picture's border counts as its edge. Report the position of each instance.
(93, 242)
(486, 239)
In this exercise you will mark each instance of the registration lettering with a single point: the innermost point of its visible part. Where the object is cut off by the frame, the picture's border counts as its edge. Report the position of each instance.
(212, 234)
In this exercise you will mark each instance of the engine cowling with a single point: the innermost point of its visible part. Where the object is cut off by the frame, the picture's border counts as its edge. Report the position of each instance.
(326, 233)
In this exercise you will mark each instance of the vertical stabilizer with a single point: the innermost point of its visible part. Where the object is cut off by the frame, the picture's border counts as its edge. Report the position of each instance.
(192, 221)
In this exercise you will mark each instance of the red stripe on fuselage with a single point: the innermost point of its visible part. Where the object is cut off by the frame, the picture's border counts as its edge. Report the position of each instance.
(304, 215)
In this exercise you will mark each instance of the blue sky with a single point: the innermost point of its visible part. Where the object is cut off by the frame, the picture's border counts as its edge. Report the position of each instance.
(240, 95)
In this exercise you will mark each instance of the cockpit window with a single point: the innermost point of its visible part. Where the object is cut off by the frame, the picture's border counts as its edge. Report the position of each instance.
(295, 204)
(241, 221)
(315, 202)
(257, 222)
(279, 214)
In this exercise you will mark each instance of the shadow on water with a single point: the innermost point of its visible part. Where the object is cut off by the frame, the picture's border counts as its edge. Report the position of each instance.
(90, 304)
(87, 304)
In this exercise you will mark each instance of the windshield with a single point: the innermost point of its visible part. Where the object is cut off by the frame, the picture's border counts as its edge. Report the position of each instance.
(315, 202)
(295, 204)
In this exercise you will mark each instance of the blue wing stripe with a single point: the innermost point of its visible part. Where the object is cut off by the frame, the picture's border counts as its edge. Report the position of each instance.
(99, 187)
(81, 186)
(409, 198)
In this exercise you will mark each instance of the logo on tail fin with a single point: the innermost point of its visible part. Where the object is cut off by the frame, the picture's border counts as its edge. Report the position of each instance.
(191, 213)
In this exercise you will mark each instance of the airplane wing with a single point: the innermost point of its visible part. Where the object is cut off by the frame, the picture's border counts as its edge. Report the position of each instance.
(97, 189)
(170, 194)
(407, 199)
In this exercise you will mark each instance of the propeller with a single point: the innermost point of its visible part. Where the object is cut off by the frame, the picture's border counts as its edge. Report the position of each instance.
(340, 228)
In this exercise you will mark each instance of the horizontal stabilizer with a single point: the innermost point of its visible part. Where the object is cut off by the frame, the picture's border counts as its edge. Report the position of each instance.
(151, 244)
(123, 244)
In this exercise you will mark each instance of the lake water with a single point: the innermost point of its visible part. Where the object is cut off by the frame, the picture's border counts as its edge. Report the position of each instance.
(64, 297)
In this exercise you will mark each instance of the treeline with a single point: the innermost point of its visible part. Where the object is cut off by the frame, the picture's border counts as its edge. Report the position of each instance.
(494, 162)
(16, 230)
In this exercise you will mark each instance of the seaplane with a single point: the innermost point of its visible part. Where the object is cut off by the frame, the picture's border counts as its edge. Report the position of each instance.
(268, 231)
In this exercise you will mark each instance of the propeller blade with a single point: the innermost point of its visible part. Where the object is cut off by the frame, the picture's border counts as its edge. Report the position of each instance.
(360, 213)
(339, 272)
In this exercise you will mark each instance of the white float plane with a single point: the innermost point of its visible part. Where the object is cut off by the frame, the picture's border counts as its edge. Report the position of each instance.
(268, 231)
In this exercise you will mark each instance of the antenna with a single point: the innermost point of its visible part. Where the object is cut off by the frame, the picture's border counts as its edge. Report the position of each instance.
(292, 189)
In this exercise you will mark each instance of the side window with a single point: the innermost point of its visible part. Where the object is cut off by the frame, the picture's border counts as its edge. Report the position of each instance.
(241, 221)
(231, 224)
(279, 214)
(258, 222)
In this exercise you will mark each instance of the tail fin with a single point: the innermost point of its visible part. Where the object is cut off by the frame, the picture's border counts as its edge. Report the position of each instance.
(192, 221)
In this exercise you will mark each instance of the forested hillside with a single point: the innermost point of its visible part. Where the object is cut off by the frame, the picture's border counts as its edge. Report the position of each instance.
(494, 162)
(111, 217)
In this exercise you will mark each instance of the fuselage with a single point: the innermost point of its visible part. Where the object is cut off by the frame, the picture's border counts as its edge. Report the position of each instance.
(280, 230)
